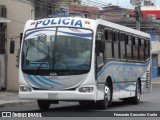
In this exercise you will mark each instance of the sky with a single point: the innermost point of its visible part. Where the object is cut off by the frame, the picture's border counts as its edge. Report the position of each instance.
(124, 3)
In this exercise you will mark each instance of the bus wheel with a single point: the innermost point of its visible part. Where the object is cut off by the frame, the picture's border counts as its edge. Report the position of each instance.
(136, 98)
(87, 103)
(103, 104)
(43, 104)
(83, 103)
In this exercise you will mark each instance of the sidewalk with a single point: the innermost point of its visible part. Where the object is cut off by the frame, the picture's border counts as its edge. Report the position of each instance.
(10, 98)
(156, 80)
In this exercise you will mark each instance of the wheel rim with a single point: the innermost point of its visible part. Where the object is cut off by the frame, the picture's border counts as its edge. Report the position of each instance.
(107, 96)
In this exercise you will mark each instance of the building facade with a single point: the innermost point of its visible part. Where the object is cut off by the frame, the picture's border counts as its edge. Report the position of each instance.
(151, 12)
(18, 12)
(3, 23)
(150, 23)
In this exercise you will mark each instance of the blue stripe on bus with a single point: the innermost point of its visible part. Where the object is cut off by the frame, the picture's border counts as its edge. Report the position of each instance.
(74, 34)
(120, 87)
(42, 79)
(78, 35)
(51, 81)
(39, 79)
(121, 64)
(28, 34)
(123, 88)
(32, 80)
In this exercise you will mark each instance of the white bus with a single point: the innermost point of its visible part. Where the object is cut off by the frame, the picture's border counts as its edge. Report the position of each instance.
(84, 60)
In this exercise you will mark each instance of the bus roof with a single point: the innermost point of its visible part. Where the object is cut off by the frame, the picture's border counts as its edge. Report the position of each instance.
(80, 22)
(122, 28)
(61, 21)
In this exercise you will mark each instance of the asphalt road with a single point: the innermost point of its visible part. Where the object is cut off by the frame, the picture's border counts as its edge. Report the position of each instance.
(149, 102)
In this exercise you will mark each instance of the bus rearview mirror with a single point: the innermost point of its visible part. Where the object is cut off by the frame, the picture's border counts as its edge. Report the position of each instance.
(12, 46)
(21, 36)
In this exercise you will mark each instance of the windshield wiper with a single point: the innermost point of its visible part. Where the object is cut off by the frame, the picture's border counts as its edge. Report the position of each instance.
(67, 67)
(58, 56)
(36, 46)
(38, 67)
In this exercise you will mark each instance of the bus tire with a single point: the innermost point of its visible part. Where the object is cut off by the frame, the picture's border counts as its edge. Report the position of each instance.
(87, 103)
(83, 103)
(136, 98)
(103, 104)
(43, 104)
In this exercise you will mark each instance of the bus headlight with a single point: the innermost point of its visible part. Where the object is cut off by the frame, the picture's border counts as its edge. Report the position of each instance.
(25, 89)
(86, 89)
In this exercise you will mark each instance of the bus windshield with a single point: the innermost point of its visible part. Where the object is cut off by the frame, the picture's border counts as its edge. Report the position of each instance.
(64, 51)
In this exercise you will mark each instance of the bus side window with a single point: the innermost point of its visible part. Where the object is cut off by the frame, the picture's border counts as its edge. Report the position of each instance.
(147, 49)
(129, 47)
(116, 45)
(122, 46)
(108, 44)
(141, 49)
(106, 34)
(135, 48)
(100, 48)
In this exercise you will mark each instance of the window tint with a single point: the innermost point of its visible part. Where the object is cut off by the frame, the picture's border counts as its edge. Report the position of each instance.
(110, 35)
(147, 49)
(129, 48)
(106, 34)
(108, 44)
(142, 42)
(141, 49)
(116, 45)
(109, 51)
(135, 48)
(116, 50)
(122, 46)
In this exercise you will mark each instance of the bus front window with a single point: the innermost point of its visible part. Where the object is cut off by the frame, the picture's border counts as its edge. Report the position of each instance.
(67, 52)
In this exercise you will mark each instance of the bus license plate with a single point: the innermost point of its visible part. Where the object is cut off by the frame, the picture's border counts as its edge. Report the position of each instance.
(53, 96)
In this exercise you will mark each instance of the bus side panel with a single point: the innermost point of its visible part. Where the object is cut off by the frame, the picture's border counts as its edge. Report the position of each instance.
(132, 74)
(146, 88)
(124, 77)
(106, 72)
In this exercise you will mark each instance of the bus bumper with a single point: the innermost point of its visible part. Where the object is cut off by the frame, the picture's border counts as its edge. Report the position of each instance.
(57, 95)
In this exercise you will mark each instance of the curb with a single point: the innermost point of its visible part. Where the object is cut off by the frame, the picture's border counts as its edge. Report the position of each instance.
(14, 103)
